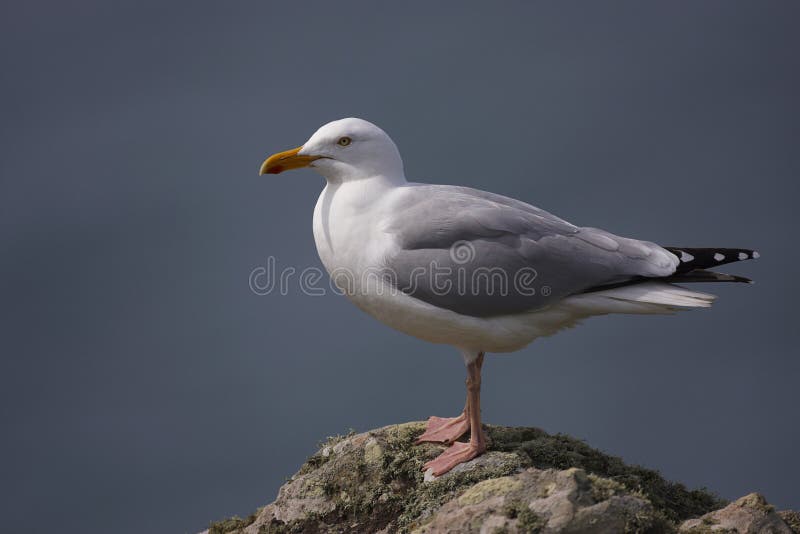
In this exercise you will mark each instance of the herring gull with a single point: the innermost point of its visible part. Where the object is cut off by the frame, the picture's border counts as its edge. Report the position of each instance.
(475, 270)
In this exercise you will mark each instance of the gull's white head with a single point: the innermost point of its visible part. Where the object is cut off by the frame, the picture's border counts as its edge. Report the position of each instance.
(343, 150)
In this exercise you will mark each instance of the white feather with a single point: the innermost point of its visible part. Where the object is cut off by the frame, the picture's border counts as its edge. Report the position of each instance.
(359, 204)
(647, 297)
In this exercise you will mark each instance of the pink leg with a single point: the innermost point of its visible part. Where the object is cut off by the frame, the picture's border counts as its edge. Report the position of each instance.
(448, 429)
(460, 452)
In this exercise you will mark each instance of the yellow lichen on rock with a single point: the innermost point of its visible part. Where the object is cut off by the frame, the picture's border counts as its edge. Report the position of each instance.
(528, 481)
(489, 488)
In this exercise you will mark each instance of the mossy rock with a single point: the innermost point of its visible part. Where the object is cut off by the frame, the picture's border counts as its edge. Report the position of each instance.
(374, 482)
(749, 514)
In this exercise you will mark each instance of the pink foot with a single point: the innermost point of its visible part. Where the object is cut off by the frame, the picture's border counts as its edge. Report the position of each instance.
(444, 430)
(457, 453)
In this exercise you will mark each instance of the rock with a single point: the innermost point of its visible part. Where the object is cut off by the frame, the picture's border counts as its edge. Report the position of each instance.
(792, 519)
(538, 500)
(528, 481)
(749, 515)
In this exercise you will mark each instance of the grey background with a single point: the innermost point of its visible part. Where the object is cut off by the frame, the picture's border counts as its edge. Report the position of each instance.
(145, 388)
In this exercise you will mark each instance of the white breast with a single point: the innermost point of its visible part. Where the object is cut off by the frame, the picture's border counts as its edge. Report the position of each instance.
(348, 229)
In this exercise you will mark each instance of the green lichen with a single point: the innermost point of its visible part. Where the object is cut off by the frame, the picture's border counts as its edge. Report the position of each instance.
(375, 481)
(528, 522)
(562, 452)
(604, 488)
(324, 452)
(651, 522)
(231, 525)
(312, 523)
(706, 528)
(792, 519)
(511, 509)
(755, 501)
(487, 489)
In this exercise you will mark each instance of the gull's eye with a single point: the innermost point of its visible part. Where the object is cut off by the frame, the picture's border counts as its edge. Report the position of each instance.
(344, 141)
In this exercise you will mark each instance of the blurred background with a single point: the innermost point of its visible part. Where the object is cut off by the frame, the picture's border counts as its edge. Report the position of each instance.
(145, 388)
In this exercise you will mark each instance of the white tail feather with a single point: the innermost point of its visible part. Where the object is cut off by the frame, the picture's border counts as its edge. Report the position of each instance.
(644, 298)
(647, 297)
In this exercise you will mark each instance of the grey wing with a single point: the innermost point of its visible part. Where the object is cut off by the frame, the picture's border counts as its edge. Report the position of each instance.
(483, 255)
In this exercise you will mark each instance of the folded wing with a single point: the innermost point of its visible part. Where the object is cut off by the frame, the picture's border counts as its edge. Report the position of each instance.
(481, 254)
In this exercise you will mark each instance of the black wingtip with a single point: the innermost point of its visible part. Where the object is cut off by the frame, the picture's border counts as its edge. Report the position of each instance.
(704, 258)
(702, 275)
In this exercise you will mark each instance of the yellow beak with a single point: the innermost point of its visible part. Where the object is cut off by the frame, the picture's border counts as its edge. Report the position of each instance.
(285, 161)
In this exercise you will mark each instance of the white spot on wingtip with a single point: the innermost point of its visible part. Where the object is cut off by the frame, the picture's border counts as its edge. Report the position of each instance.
(756, 255)
(742, 255)
(718, 256)
(685, 256)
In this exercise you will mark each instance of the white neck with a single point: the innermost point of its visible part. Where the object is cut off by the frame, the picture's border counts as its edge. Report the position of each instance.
(387, 169)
